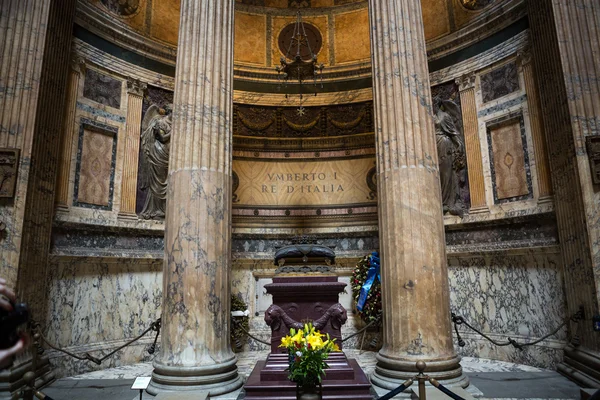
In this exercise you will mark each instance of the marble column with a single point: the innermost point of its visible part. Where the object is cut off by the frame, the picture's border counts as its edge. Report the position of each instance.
(565, 44)
(135, 94)
(466, 85)
(537, 127)
(416, 323)
(195, 352)
(64, 168)
(34, 63)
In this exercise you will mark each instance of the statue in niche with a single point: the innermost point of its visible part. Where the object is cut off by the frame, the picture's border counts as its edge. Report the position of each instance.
(122, 7)
(451, 154)
(156, 138)
(475, 4)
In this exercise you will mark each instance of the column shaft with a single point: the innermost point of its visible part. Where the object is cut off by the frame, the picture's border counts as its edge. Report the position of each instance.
(135, 93)
(34, 62)
(537, 128)
(472, 144)
(195, 351)
(416, 324)
(565, 39)
(64, 167)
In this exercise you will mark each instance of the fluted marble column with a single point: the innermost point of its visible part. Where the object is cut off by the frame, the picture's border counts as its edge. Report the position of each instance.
(135, 93)
(537, 127)
(466, 86)
(416, 324)
(195, 351)
(565, 43)
(64, 167)
(35, 42)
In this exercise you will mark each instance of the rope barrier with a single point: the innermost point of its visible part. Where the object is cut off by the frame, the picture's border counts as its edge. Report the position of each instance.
(398, 390)
(444, 389)
(239, 325)
(458, 320)
(155, 326)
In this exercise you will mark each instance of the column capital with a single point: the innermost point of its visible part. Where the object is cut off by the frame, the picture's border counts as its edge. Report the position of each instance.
(466, 81)
(78, 64)
(136, 87)
(524, 57)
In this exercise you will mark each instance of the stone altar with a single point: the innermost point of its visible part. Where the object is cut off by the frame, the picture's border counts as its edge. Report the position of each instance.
(297, 300)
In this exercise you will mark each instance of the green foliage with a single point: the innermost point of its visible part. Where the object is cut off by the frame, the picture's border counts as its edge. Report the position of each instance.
(372, 308)
(237, 335)
(308, 352)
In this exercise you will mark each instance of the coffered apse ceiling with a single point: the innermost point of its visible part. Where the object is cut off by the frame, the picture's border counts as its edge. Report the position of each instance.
(343, 24)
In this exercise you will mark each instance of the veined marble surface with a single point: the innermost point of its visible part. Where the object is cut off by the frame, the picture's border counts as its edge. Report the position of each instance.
(366, 360)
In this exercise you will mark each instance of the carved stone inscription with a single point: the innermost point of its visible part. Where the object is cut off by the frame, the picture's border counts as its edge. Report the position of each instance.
(303, 183)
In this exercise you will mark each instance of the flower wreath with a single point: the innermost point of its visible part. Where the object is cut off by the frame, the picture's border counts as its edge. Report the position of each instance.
(366, 288)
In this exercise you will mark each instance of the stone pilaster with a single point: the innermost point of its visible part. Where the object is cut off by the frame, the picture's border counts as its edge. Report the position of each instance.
(416, 324)
(466, 85)
(537, 127)
(135, 97)
(566, 60)
(34, 59)
(195, 352)
(64, 168)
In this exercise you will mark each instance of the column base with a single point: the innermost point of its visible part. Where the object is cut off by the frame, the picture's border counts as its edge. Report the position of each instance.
(582, 366)
(391, 373)
(214, 379)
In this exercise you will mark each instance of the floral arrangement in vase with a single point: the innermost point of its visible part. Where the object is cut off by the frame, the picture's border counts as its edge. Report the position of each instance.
(308, 350)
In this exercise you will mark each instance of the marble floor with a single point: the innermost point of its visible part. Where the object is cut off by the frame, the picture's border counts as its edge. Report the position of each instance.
(489, 380)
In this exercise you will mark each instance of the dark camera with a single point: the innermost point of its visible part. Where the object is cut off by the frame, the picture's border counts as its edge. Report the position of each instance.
(10, 323)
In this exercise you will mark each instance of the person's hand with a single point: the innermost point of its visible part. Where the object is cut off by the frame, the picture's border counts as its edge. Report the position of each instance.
(6, 296)
(6, 355)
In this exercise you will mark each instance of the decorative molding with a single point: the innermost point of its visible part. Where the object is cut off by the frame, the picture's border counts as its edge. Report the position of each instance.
(466, 81)
(524, 57)
(78, 64)
(136, 87)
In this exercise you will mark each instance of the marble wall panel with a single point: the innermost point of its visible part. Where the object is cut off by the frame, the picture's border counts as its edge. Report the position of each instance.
(500, 82)
(96, 162)
(95, 304)
(102, 88)
(518, 295)
(509, 160)
(352, 24)
(251, 38)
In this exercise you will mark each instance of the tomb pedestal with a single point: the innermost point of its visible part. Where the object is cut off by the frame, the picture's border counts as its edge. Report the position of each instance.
(297, 300)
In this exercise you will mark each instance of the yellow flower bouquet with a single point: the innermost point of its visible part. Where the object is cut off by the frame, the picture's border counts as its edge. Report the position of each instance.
(307, 350)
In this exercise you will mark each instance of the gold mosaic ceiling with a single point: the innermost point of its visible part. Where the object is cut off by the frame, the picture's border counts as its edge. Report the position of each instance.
(159, 19)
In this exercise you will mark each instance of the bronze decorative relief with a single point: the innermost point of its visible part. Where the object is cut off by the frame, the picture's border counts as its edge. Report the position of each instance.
(372, 183)
(124, 8)
(337, 120)
(475, 4)
(285, 38)
(9, 164)
(235, 182)
(155, 146)
(451, 149)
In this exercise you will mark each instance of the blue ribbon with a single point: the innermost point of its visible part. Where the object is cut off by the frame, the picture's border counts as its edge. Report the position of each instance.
(372, 273)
